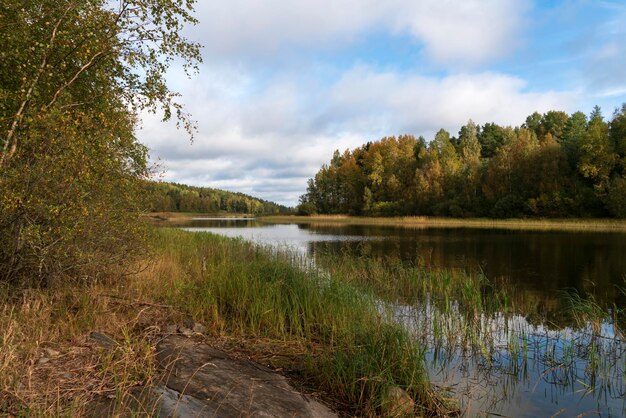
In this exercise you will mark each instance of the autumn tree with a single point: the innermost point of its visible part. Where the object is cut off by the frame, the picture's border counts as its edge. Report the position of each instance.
(73, 76)
(597, 153)
(554, 165)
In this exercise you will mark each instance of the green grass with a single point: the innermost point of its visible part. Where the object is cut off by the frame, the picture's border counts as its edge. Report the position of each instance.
(352, 349)
(452, 311)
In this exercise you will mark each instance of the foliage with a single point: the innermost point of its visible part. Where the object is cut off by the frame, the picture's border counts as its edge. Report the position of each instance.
(554, 165)
(73, 75)
(172, 197)
(306, 209)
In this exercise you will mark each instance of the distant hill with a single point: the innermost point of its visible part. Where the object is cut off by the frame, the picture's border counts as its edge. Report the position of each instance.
(173, 197)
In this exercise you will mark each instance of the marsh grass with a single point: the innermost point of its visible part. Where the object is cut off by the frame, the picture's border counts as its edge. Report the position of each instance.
(420, 222)
(350, 327)
(464, 320)
(329, 334)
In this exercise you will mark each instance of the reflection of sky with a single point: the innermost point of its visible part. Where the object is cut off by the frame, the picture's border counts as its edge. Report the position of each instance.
(289, 237)
(550, 372)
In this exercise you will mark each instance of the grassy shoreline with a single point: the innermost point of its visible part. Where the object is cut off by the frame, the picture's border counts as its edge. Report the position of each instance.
(326, 332)
(331, 331)
(419, 222)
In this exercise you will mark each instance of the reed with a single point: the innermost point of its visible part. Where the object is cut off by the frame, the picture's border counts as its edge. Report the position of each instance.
(353, 327)
(352, 349)
(420, 222)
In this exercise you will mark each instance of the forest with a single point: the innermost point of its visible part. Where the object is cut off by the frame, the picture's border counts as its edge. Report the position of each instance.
(172, 197)
(553, 165)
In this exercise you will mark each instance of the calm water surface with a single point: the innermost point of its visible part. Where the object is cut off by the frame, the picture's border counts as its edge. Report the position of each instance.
(541, 263)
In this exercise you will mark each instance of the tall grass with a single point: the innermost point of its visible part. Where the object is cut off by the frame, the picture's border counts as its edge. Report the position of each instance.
(352, 348)
(341, 324)
(465, 320)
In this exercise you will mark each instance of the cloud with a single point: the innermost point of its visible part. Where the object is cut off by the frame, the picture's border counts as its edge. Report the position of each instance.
(383, 101)
(451, 31)
(471, 31)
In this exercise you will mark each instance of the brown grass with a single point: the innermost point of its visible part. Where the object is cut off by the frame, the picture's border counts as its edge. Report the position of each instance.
(331, 337)
(50, 367)
(187, 216)
(421, 222)
(48, 364)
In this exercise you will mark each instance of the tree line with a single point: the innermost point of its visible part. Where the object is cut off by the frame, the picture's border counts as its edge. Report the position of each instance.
(553, 165)
(172, 197)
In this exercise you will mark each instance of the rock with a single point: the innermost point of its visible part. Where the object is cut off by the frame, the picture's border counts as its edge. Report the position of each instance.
(103, 339)
(398, 403)
(199, 328)
(187, 332)
(202, 381)
(43, 360)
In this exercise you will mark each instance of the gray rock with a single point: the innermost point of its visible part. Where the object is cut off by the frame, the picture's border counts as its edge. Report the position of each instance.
(169, 329)
(203, 381)
(187, 332)
(200, 381)
(103, 339)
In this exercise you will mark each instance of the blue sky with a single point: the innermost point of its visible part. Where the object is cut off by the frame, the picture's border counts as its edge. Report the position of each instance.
(284, 83)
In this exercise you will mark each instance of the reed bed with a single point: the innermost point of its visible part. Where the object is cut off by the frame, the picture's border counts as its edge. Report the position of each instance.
(468, 322)
(354, 327)
(420, 222)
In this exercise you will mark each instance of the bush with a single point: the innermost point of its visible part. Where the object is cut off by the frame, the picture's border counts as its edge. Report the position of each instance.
(73, 77)
(70, 204)
(510, 206)
(306, 209)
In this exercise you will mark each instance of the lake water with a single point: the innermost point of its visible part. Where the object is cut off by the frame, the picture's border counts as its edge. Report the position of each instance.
(554, 376)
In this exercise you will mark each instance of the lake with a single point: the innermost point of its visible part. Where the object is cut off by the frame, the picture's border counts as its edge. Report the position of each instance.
(558, 372)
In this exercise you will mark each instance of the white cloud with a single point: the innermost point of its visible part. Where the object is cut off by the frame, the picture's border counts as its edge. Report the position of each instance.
(470, 31)
(452, 31)
(421, 105)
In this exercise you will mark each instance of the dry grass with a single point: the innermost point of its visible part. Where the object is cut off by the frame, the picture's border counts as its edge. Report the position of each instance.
(420, 222)
(48, 364)
(178, 217)
(308, 325)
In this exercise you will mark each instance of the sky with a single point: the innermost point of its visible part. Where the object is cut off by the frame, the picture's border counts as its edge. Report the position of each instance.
(284, 83)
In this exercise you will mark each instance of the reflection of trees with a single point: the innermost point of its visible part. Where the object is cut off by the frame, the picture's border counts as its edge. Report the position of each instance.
(591, 263)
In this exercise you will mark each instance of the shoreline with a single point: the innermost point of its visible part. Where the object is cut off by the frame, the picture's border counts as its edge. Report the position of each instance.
(420, 222)
(249, 302)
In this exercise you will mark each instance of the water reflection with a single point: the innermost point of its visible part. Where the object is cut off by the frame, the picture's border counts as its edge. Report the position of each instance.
(545, 261)
(531, 363)
(540, 261)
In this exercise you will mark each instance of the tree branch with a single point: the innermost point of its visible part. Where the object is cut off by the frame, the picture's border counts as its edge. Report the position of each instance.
(10, 144)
